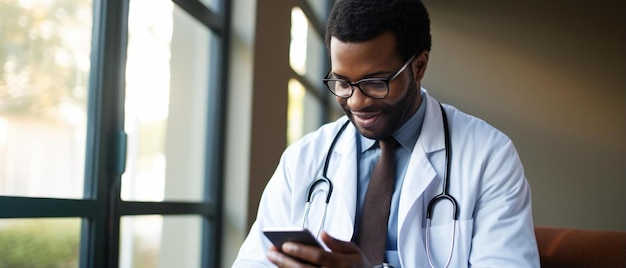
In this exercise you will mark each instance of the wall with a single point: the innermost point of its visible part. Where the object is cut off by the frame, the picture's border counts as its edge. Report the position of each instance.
(257, 111)
(552, 76)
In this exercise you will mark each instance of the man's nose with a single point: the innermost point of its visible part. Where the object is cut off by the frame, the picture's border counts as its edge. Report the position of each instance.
(358, 100)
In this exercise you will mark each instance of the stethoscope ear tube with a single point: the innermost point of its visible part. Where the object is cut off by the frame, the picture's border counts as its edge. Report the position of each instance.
(443, 195)
(324, 177)
(446, 176)
(331, 148)
(312, 186)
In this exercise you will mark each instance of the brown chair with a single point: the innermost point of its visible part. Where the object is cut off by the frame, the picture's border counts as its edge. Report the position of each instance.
(562, 247)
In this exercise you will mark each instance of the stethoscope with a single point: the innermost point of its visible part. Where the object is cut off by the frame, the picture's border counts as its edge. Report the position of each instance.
(444, 195)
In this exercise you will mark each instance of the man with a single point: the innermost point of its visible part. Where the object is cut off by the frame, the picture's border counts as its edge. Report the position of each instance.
(379, 53)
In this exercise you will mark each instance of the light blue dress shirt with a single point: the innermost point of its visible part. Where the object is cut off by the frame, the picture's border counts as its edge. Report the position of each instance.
(370, 151)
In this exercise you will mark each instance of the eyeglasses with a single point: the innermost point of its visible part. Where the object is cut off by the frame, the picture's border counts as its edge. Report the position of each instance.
(376, 88)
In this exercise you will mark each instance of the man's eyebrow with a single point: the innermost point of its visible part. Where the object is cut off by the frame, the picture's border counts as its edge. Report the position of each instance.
(379, 74)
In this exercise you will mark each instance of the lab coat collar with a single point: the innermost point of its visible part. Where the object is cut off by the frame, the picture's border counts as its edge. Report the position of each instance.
(420, 171)
(432, 135)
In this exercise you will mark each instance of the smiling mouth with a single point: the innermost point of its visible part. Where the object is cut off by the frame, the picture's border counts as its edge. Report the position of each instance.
(367, 120)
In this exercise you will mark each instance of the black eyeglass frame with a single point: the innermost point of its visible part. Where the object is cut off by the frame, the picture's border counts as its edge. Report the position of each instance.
(358, 83)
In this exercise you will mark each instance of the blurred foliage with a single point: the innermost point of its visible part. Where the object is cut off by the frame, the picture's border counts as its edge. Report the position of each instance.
(41, 53)
(40, 243)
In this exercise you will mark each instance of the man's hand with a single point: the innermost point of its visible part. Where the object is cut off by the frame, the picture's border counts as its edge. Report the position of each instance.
(342, 254)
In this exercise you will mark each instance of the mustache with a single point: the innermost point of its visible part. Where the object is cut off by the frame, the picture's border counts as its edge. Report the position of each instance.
(377, 107)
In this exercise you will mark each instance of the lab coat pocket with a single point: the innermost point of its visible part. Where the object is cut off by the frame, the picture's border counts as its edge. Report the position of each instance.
(441, 241)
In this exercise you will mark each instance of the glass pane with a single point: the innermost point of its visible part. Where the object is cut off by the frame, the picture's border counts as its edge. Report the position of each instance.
(320, 8)
(166, 103)
(39, 242)
(306, 54)
(304, 112)
(312, 113)
(158, 241)
(44, 70)
(215, 5)
(307, 49)
(295, 111)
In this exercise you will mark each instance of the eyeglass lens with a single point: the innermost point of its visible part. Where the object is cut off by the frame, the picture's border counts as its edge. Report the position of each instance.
(371, 88)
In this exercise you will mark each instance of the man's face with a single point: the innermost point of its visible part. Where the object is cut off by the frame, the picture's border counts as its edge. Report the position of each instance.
(377, 58)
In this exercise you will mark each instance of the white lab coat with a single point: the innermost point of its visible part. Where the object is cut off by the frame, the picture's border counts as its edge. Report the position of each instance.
(495, 226)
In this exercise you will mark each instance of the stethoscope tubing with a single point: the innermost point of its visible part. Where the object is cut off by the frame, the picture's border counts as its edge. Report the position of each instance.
(444, 195)
(323, 179)
(446, 176)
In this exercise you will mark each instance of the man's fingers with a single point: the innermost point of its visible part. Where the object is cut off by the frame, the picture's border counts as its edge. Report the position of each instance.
(342, 254)
(337, 245)
(281, 260)
(284, 260)
(351, 255)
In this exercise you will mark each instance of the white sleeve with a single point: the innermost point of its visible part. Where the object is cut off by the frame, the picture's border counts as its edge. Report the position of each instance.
(503, 226)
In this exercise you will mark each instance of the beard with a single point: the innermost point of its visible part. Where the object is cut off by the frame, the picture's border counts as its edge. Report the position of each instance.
(392, 116)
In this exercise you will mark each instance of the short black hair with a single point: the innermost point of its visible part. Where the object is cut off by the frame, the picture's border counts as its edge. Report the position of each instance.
(362, 20)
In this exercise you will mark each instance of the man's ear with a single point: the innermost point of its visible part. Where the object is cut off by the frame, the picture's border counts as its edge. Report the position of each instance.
(419, 66)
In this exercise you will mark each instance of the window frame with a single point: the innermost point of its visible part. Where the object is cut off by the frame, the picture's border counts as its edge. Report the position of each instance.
(316, 88)
(105, 155)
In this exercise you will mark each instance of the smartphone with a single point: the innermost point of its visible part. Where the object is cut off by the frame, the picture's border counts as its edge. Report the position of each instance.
(278, 236)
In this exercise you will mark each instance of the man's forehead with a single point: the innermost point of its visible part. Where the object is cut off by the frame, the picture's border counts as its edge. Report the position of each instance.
(384, 45)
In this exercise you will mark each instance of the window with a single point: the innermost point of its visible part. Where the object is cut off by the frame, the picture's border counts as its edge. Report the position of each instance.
(310, 105)
(111, 118)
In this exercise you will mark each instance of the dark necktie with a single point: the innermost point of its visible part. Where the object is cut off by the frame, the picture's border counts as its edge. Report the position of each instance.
(372, 233)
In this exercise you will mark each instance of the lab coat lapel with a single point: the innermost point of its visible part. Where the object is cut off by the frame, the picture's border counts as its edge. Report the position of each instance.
(341, 214)
(419, 175)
